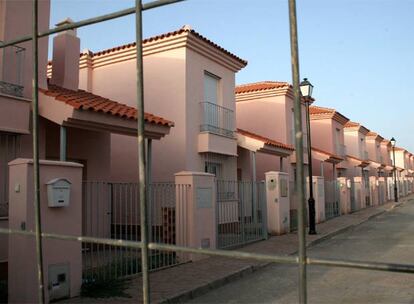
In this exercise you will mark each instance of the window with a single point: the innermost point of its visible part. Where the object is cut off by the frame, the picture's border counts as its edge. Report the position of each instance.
(213, 168)
(211, 88)
(338, 142)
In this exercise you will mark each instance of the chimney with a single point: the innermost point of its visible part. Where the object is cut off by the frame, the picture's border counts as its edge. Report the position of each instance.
(65, 62)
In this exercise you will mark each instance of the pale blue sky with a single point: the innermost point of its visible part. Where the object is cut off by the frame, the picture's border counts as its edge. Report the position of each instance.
(357, 53)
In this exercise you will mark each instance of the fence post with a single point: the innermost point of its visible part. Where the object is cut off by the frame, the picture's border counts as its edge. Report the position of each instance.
(278, 203)
(62, 260)
(196, 224)
(344, 196)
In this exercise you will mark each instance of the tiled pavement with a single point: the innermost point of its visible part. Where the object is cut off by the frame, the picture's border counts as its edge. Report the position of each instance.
(183, 282)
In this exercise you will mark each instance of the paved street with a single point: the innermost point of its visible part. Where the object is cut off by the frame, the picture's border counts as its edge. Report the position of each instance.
(386, 238)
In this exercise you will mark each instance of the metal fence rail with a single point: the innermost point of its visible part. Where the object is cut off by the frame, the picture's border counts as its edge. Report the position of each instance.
(240, 213)
(111, 210)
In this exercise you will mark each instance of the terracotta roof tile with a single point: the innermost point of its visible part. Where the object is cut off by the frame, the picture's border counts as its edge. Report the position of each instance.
(363, 163)
(266, 140)
(351, 124)
(314, 110)
(83, 100)
(261, 86)
(331, 155)
(183, 30)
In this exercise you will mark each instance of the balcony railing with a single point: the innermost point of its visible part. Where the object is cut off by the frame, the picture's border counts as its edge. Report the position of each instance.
(11, 70)
(217, 119)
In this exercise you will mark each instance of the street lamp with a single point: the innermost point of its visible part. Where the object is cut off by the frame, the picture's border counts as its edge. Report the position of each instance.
(306, 89)
(393, 141)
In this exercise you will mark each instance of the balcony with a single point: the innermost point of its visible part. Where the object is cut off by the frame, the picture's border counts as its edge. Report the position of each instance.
(11, 70)
(217, 130)
(217, 119)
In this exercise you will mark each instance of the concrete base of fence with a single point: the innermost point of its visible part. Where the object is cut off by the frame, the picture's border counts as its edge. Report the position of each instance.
(196, 222)
(62, 260)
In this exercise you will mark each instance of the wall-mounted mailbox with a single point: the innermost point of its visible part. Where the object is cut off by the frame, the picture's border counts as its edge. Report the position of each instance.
(58, 192)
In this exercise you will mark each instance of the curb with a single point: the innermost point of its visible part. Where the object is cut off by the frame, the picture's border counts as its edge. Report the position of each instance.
(203, 289)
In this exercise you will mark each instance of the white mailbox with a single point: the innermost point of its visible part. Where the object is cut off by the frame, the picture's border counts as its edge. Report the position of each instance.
(58, 192)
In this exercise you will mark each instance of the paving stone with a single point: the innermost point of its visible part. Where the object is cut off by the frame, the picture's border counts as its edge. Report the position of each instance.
(180, 283)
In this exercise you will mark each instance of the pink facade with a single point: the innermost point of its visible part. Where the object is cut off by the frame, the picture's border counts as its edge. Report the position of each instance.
(175, 69)
(266, 108)
(328, 141)
(87, 129)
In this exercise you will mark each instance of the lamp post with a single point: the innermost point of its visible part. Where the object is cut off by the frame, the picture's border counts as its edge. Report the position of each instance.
(306, 89)
(393, 141)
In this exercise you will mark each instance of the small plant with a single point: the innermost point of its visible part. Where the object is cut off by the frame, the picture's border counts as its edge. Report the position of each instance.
(3, 291)
(99, 288)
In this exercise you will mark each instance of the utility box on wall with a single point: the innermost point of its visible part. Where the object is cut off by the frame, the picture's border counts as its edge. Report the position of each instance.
(59, 282)
(62, 260)
(319, 196)
(277, 200)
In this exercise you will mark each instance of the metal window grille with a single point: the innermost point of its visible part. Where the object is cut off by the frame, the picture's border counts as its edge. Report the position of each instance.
(144, 245)
(9, 150)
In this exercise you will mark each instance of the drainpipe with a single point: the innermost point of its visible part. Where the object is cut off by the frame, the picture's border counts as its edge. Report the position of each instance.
(149, 182)
(281, 164)
(322, 173)
(254, 190)
(62, 156)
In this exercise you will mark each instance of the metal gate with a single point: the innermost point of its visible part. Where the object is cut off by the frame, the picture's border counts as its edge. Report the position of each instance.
(367, 189)
(241, 213)
(111, 210)
(332, 208)
(353, 196)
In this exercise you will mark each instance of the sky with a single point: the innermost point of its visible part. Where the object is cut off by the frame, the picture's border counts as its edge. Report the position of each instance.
(358, 54)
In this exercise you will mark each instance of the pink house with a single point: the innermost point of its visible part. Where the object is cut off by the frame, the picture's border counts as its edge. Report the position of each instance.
(385, 148)
(358, 160)
(329, 150)
(373, 144)
(188, 79)
(74, 125)
(265, 110)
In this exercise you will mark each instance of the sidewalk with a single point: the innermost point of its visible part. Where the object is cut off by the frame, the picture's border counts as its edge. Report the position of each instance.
(181, 283)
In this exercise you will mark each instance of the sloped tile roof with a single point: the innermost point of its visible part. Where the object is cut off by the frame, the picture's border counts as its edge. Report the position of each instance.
(82, 100)
(331, 155)
(314, 110)
(183, 30)
(351, 124)
(266, 140)
(261, 86)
